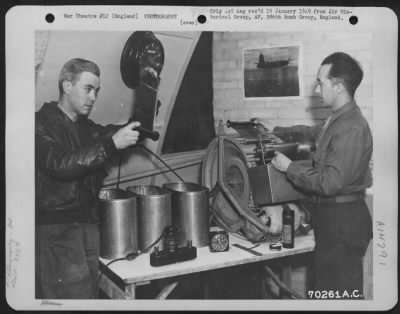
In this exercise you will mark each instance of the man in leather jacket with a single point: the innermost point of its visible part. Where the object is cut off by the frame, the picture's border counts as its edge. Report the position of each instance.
(70, 156)
(335, 180)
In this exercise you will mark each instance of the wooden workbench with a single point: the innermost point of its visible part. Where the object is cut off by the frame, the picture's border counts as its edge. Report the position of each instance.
(121, 278)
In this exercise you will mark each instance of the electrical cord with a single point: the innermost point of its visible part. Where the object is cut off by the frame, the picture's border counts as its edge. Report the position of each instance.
(119, 168)
(152, 153)
(155, 242)
(130, 256)
(272, 239)
(162, 161)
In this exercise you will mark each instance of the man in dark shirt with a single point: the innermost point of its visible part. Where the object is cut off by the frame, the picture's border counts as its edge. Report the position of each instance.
(336, 179)
(70, 155)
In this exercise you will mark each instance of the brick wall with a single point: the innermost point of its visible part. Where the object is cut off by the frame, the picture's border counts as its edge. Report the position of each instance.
(229, 102)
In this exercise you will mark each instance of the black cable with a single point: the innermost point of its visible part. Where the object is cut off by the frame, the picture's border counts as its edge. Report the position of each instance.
(155, 242)
(155, 155)
(129, 257)
(165, 164)
(116, 260)
(119, 168)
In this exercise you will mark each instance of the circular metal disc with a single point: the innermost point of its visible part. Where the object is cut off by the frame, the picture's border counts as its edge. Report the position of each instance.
(142, 49)
(235, 173)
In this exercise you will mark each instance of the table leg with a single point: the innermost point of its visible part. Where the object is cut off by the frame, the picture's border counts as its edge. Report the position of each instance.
(130, 289)
(205, 280)
(286, 276)
(166, 291)
(111, 289)
(285, 282)
(263, 284)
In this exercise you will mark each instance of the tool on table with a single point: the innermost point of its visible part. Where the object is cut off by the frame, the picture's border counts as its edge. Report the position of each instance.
(247, 249)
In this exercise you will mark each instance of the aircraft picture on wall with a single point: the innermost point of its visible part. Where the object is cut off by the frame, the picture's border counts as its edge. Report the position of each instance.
(272, 64)
(272, 72)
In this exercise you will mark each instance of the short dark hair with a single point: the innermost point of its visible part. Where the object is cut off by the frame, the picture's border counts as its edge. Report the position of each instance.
(72, 70)
(346, 68)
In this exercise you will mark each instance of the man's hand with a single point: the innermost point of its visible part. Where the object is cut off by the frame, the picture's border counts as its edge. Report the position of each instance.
(264, 125)
(126, 136)
(280, 162)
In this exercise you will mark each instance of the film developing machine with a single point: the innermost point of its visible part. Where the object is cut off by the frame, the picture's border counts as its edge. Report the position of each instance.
(248, 195)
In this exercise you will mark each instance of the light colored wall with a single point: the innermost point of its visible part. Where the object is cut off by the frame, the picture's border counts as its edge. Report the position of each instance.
(229, 102)
(115, 100)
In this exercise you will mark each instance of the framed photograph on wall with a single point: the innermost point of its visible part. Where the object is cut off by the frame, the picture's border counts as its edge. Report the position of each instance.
(272, 72)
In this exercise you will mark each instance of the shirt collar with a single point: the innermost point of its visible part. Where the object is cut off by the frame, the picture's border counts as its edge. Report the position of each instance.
(66, 115)
(342, 110)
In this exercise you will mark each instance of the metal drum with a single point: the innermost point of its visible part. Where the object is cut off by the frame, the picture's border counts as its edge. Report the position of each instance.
(154, 213)
(190, 212)
(118, 223)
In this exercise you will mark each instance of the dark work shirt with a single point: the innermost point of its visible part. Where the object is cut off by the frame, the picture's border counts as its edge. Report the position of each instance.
(341, 162)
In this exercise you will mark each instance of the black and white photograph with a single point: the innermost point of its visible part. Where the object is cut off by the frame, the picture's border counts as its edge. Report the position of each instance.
(206, 165)
(272, 72)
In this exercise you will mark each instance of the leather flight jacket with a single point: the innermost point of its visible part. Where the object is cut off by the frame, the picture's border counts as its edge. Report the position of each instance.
(70, 159)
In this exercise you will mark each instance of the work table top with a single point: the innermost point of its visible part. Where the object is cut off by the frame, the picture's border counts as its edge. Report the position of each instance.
(140, 270)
